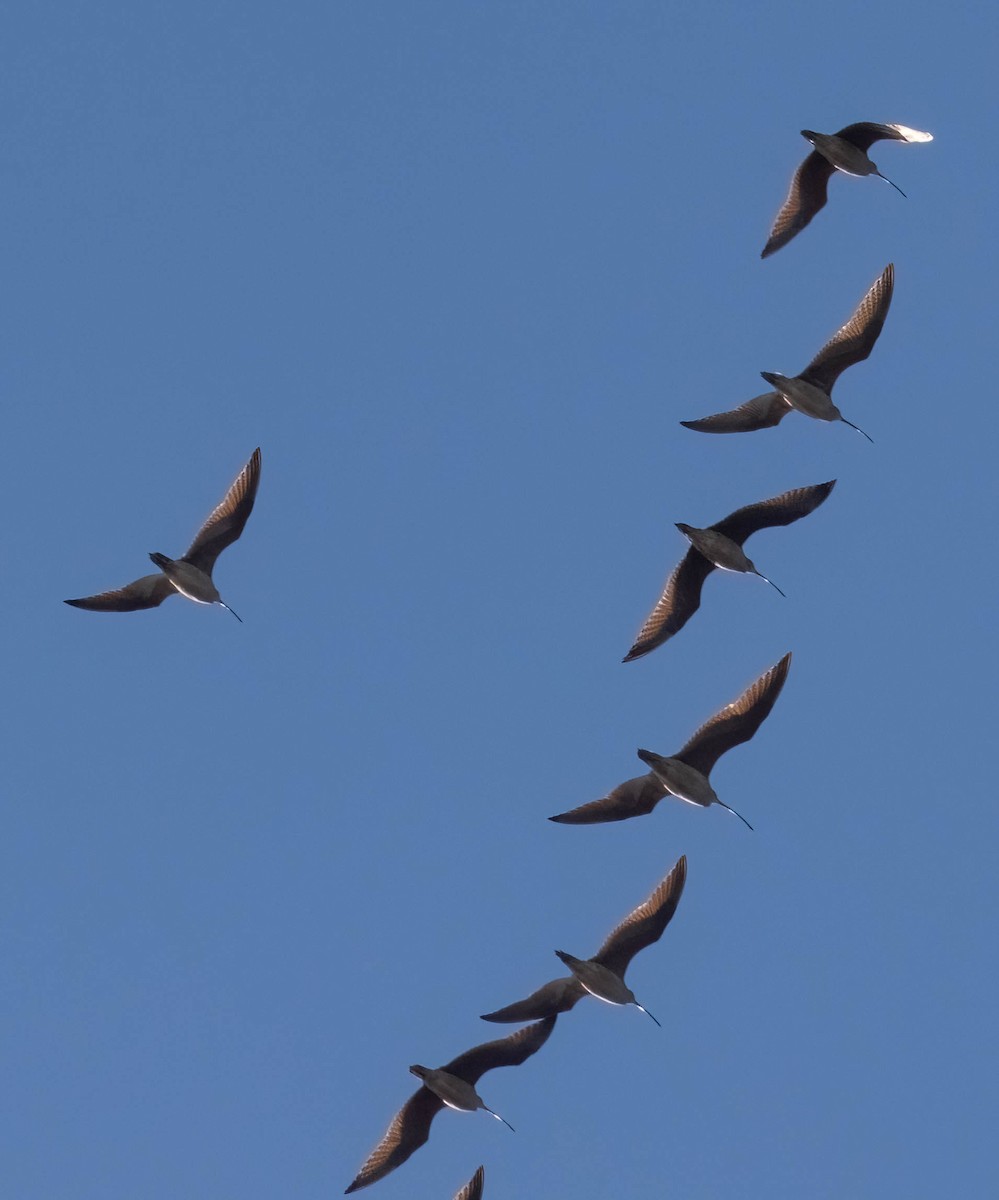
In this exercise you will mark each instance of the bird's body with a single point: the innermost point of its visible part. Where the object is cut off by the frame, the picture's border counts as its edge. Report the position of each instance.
(453, 1086)
(686, 773)
(844, 151)
(455, 1092)
(602, 975)
(680, 779)
(190, 576)
(811, 391)
(719, 545)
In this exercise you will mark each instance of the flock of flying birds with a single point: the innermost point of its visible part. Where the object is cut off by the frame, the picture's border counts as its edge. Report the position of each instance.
(683, 775)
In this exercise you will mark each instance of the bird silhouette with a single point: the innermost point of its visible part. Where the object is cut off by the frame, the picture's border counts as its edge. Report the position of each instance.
(811, 391)
(452, 1085)
(603, 974)
(685, 774)
(191, 575)
(844, 151)
(720, 545)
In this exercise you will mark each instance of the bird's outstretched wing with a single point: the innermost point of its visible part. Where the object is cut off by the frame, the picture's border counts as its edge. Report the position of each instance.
(680, 599)
(778, 510)
(645, 924)
(633, 798)
(736, 722)
(807, 195)
(762, 412)
(410, 1128)
(147, 592)
(226, 522)
(855, 340)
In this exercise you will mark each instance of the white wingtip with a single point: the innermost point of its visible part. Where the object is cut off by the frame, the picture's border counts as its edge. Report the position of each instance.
(913, 135)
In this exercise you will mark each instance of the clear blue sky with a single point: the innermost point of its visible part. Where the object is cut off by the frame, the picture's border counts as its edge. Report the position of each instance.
(460, 269)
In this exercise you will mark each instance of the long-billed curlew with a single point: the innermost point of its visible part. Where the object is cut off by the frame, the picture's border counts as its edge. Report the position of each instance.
(719, 545)
(844, 151)
(191, 575)
(685, 774)
(603, 974)
(811, 391)
(452, 1085)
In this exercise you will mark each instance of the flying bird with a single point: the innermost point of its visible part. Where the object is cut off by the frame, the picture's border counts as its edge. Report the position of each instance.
(685, 774)
(811, 391)
(473, 1189)
(191, 575)
(453, 1085)
(719, 545)
(844, 151)
(603, 974)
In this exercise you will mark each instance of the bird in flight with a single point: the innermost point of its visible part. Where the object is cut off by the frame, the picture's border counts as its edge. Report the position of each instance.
(844, 151)
(603, 974)
(191, 575)
(719, 545)
(452, 1085)
(685, 774)
(811, 391)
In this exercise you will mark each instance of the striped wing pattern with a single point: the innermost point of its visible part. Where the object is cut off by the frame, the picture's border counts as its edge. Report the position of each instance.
(645, 925)
(409, 1130)
(473, 1189)
(227, 520)
(762, 412)
(778, 510)
(855, 340)
(806, 196)
(736, 722)
(680, 599)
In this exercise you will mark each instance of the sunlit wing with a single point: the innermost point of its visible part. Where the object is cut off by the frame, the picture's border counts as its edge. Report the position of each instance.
(807, 195)
(226, 522)
(864, 134)
(645, 925)
(409, 1130)
(473, 1189)
(680, 599)
(855, 341)
(736, 722)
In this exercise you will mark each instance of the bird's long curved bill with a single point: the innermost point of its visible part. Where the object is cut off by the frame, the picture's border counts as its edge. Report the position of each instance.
(894, 185)
(858, 429)
(228, 609)
(735, 814)
(648, 1014)
(503, 1119)
(771, 582)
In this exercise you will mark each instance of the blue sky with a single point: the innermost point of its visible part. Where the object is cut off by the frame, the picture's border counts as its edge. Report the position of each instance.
(460, 270)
